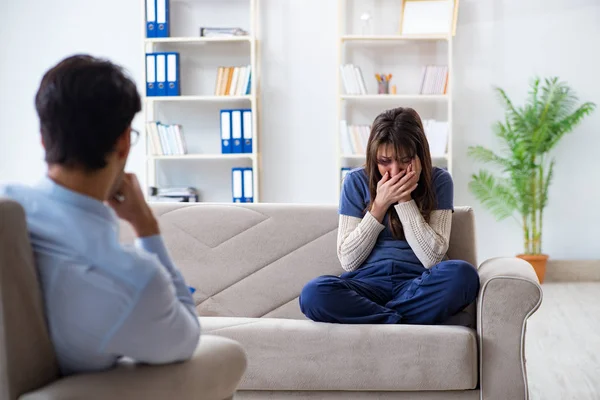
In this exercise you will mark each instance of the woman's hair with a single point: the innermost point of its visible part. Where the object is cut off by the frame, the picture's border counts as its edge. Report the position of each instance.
(403, 130)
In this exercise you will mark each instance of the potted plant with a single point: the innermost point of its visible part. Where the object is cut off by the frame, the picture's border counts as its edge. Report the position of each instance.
(528, 134)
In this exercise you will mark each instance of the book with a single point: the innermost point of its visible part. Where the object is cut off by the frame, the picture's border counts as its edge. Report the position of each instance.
(222, 32)
(233, 81)
(353, 80)
(166, 140)
(434, 79)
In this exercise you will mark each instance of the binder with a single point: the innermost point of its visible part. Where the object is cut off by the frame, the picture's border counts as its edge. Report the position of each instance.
(226, 131)
(237, 184)
(161, 74)
(247, 131)
(150, 19)
(236, 131)
(150, 74)
(248, 186)
(173, 87)
(162, 18)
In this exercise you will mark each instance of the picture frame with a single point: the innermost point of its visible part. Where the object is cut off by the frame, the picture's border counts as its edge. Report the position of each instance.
(428, 17)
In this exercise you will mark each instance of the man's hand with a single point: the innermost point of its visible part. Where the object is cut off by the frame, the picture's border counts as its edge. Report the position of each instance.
(129, 204)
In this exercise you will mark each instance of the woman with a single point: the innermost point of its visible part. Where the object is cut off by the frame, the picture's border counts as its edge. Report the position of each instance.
(394, 229)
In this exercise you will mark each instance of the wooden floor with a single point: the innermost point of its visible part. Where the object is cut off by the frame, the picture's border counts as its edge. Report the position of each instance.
(563, 343)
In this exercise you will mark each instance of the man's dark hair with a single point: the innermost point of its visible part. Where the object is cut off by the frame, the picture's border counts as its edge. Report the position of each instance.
(84, 104)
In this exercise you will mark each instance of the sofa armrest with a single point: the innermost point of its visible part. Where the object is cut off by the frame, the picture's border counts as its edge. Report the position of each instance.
(509, 294)
(213, 373)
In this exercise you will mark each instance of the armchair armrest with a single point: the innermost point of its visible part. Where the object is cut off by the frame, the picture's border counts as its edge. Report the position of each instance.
(213, 373)
(509, 295)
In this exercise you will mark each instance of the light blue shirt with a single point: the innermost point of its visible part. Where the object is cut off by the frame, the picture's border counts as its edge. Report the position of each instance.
(104, 300)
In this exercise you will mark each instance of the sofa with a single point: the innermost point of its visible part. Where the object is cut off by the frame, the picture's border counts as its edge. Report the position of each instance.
(28, 369)
(248, 264)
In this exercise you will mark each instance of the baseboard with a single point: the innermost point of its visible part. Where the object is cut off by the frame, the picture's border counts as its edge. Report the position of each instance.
(573, 271)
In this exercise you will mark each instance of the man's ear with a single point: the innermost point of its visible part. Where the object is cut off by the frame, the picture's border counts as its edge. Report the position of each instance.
(42, 141)
(123, 144)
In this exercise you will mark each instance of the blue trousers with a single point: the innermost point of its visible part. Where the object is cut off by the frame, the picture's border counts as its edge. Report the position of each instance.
(392, 293)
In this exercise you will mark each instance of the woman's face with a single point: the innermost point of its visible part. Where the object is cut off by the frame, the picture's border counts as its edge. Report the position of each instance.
(389, 161)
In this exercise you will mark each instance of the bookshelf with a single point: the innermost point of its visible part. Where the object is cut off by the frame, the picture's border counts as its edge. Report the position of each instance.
(375, 45)
(197, 108)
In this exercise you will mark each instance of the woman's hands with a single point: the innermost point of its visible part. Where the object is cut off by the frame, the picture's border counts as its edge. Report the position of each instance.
(396, 189)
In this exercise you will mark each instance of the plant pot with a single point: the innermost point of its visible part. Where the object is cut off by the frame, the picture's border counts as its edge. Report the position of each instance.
(538, 262)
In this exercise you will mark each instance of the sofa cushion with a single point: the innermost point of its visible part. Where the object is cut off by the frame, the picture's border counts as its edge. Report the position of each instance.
(287, 354)
(213, 373)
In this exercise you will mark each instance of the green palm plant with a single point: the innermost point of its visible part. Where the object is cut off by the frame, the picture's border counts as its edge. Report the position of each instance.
(528, 134)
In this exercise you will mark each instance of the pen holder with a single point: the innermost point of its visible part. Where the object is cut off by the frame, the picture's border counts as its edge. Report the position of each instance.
(383, 87)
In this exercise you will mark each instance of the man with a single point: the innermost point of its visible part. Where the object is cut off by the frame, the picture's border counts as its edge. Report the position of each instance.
(102, 300)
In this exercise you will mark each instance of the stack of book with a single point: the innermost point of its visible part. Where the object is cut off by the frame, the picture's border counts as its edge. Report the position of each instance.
(222, 32)
(175, 194)
(353, 80)
(434, 79)
(354, 138)
(166, 140)
(233, 81)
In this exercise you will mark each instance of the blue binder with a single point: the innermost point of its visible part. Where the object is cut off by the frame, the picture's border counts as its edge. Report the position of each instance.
(248, 186)
(247, 130)
(150, 74)
(162, 18)
(236, 131)
(237, 184)
(150, 18)
(173, 87)
(226, 131)
(161, 74)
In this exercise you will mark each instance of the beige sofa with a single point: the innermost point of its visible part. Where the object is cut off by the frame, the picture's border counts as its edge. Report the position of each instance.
(249, 264)
(28, 369)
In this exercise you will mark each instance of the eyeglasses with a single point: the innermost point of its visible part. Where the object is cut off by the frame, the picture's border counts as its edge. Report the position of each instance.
(135, 136)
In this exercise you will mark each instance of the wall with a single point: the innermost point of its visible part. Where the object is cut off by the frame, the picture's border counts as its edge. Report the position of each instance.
(501, 43)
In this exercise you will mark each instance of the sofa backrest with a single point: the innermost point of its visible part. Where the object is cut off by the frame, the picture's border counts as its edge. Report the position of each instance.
(252, 260)
(27, 358)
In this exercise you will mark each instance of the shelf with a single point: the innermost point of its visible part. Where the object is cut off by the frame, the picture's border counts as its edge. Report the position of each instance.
(199, 98)
(390, 38)
(363, 156)
(200, 39)
(392, 97)
(206, 157)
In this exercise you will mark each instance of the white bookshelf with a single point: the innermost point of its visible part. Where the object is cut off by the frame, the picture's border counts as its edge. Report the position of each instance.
(197, 109)
(206, 98)
(384, 50)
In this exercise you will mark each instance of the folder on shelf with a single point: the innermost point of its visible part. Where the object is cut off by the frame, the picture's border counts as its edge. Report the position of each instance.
(162, 18)
(173, 87)
(247, 131)
(236, 131)
(226, 131)
(237, 184)
(248, 185)
(161, 74)
(150, 75)
(150, 18)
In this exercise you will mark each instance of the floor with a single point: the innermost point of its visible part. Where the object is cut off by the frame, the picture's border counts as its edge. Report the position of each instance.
(563, 343)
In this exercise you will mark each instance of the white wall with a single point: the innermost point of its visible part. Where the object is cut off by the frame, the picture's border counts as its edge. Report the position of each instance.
(500, 43)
